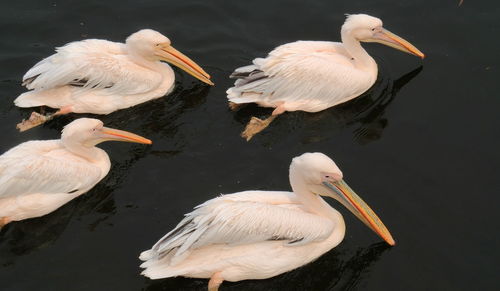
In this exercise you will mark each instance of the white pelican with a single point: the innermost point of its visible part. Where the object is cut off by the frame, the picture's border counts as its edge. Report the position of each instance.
(260, 234)
(100, 76)
(39, 176)
(313, 75)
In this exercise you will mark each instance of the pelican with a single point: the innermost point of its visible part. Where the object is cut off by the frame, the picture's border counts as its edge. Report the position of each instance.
(39, 176)
(99, 76)
(260, 234)
(313, 75)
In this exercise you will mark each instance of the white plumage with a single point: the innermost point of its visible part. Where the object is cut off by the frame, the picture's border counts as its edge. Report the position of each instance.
(94, 64)
(225, 220)
(44, 166)
(313, 75)
(260, 234)
(37, 177)
(304, 75)
(100, 76)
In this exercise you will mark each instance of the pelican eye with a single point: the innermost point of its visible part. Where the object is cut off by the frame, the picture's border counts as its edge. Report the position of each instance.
(373, 29)
(330, 178)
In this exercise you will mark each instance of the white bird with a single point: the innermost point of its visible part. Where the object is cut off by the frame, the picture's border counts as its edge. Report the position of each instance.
(99, 76)
(313, 75)
(39, 176)
(260, 234)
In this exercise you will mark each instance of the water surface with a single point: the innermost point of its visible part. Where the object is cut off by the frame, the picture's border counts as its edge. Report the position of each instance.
(421, 146)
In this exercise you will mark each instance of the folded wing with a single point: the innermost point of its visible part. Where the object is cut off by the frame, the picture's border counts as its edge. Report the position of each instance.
(27, 169)
(302, 72)
(92, 64)
(238, 219)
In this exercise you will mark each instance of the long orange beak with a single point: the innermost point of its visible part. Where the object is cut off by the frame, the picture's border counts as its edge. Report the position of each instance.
(169, 54)
(121, 135)
(390, 39)
(358, 207)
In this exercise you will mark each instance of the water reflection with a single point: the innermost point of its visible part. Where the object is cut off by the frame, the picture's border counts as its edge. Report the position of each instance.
(358, 265)
(372, 121)
(339, 269)
(162, 115)
(366, 111)
(159, 116)
(22, 237)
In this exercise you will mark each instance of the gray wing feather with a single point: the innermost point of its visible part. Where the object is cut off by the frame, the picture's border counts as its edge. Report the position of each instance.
(226, 221)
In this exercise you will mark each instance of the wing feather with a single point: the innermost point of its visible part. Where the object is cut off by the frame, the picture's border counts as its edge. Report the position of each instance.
(92, 64)
(306, 74)
(30, 168)
(241, 219)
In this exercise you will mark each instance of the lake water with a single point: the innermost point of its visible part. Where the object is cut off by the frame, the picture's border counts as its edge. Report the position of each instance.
(421, 147)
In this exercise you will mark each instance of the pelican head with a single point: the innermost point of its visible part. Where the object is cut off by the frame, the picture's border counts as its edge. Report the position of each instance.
(90, 132)
(367, 28)
(321, 176)
(154, 46)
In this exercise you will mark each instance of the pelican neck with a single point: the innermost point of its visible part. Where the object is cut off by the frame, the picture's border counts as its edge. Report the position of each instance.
(142, 61)
(361, 58)
(314, 203)
(90, 153)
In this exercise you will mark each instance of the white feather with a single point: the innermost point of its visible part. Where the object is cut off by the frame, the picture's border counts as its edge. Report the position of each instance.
(102, 64)
(303, 75)
(243, 218)
(43, 167)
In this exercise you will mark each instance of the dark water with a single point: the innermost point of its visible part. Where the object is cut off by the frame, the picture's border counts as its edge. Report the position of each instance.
(422, 146)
